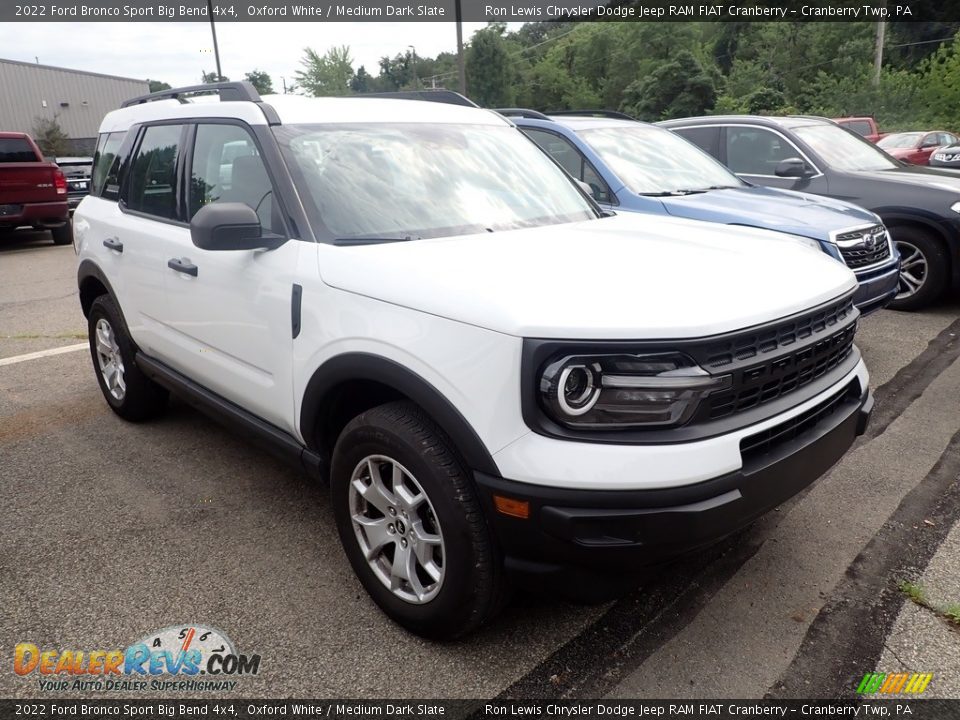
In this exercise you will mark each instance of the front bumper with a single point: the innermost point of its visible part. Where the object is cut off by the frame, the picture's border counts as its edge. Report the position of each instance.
(596, 533)
(877, 288)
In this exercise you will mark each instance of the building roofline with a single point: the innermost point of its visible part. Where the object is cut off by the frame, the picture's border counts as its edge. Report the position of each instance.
(71, 70)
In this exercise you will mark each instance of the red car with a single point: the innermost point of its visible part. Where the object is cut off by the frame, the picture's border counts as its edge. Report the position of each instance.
(33, 191)
(916, 147)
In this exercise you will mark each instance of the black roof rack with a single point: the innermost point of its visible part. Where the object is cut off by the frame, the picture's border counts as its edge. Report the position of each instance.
(614, 114)
(522, 112)
(438, 95)
(228, 91)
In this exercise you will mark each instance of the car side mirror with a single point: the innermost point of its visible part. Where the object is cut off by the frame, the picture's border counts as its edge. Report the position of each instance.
(792, 168)
(231, 226)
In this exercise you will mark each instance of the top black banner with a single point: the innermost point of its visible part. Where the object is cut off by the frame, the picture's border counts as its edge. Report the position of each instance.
(481, 11)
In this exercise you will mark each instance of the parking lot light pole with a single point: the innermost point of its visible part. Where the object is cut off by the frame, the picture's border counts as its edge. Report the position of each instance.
(213, 30)
(413, 66)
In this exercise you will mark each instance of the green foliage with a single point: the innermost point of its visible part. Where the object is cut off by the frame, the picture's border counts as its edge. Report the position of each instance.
(261, 81)
(50, 137)
(329, 74)
(488, 67)
(361, 82)
(211, 77)
(678, 88)
(157, 86)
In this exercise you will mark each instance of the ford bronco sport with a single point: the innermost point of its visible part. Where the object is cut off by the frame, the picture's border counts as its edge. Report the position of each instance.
(500, 382)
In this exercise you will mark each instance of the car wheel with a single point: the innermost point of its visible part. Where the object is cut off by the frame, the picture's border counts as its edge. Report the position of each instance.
(923, 269)
(63, 235)
(130, 393)
(411, 523)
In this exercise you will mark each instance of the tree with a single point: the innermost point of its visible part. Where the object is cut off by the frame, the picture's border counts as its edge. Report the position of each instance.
(211, 77)
(489, 77)
(157, 86)
(677, 88)
(51, 138)
(329, 74)
(261, 81)
(361, 81)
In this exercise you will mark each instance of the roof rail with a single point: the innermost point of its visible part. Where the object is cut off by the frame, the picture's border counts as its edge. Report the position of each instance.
(521, 112)
(229, 91)
(614, 114)
(813, 117)
(433, 95)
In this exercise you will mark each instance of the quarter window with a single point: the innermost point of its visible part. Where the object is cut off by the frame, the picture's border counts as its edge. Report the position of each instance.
(153, 175)
(227, 167)
(755, 151)
(106, 163)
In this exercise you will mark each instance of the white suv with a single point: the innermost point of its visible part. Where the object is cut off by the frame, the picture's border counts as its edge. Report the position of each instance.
(500, 382)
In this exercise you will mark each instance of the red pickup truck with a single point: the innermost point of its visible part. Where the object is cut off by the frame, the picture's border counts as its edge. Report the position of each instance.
(33, 192)
(866, 127)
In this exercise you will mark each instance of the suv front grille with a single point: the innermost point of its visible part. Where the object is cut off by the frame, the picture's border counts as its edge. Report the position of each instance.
(862, 248)
(757, 445)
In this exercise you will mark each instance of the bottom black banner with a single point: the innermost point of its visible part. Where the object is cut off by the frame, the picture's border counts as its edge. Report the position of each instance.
(481, 710)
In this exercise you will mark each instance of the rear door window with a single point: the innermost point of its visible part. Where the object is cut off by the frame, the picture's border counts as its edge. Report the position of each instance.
(152, 185)
(705, 138)
(104, 161)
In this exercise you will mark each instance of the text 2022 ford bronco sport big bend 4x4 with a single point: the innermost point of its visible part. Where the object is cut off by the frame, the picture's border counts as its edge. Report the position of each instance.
(499, 381)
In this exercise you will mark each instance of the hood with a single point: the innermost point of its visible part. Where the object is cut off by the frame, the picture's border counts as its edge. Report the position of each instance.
(791, 212)
(630, 276)
(920, 175)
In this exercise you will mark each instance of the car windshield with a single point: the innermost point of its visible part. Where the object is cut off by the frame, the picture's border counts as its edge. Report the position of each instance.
(654, 161)
(842, 150)
(408, 181)
(900, 140)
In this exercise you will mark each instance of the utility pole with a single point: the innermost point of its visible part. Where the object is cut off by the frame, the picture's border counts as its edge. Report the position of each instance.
(878, 52)
(213, 30)
(461, 67)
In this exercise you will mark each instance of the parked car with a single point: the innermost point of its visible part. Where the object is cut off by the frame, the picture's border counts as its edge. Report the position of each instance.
(946, 157)
(635, 167)
(33, 191)
(919, 205)
(865, 127)
(499, 381)
(77, 172)
(915, 147)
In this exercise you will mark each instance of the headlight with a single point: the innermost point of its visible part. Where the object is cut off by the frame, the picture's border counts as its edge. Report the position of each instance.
(955, 207)
(620, 390)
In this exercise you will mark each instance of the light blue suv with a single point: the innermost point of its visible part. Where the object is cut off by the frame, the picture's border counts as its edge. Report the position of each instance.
(635, 167)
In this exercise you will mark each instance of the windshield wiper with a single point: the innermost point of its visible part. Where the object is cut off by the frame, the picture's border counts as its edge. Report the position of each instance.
(669, 193)
(372, 240)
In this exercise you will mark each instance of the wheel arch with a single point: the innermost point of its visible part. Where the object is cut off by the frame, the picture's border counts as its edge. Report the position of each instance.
(92, 283)
(935, 229)
(348, 384)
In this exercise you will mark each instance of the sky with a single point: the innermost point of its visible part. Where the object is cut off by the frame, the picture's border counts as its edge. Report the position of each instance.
(177, 53)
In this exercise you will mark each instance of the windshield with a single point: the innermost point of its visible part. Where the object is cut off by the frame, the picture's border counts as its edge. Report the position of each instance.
(411, 181)
(654, 161)
(900, 140)
(842, 150)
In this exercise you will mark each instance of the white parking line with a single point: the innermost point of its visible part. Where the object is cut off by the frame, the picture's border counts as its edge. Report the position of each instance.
(42, 354)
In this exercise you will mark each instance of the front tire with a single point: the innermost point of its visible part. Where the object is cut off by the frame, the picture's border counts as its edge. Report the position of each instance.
(411, 524)
(923, 269)
(130, 394)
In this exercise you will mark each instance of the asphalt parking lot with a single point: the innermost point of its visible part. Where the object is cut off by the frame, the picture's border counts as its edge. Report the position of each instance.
(112, 530)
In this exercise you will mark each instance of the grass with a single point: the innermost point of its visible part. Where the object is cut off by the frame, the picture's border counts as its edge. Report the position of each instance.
(918, 595)
(57, 336)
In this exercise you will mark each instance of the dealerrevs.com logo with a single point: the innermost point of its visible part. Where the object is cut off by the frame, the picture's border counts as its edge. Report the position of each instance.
(187, 658)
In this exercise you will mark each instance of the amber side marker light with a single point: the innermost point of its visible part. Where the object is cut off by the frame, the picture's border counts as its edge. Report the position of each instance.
(513, 508)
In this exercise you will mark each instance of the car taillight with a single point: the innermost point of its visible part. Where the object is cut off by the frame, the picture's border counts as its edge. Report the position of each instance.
(59, 182)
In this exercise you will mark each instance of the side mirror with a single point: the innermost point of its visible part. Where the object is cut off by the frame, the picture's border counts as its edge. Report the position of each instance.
(230, 226)
(792, 168)
(585, 187)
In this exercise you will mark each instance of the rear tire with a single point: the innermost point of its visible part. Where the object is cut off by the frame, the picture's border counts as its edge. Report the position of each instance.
(63, 235)
(923, 268)
(130, 394)
(411, 523)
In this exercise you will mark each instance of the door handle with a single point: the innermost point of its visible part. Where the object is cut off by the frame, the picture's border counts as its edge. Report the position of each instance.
(182, 266)
(113, 244)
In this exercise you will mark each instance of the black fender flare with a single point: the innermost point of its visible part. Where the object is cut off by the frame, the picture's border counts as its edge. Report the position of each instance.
(89, 269)
(365, 366)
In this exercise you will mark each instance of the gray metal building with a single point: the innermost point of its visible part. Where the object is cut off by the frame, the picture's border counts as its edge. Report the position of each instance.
(77, 100)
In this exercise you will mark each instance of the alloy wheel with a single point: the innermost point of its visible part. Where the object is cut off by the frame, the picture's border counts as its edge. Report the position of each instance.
(110, 360)
(397, 529)
(913, 270)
